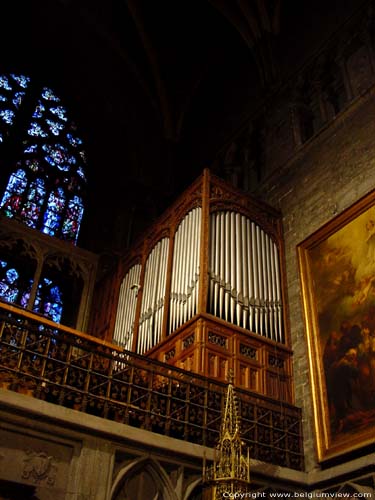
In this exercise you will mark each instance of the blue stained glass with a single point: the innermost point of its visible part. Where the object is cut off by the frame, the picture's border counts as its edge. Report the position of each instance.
(53, 310)
(49, 95)
(55, 127)
(73, 219)
(48, 300)
(12, 275)
(12, 198)
(31, 149)
(55, 293)
(36, 130)
(35, 198)
(74, 141)
(60, 112)
(37, 191)
(52, 216)
(58, 156)
(39, 110)
(7, 115)
(8, 286)
(4, 83)
(26, 295)
(17, 99)
(51, 223)
(24, 198)
(81, 173)
(22, 81)
(33, 165)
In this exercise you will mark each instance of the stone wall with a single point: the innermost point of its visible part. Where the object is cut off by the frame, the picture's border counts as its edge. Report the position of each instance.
(326, 175)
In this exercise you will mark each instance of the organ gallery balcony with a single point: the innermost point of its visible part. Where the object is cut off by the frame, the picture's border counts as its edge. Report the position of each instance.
(65, 367)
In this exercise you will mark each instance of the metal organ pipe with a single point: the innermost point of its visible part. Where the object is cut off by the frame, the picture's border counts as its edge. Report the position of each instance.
(185, 270)
(254, 264)
(245, 289)
(250, 275)
(150, 321)
(196, 268)
(125, 315)
(239, 267)
(245, 281)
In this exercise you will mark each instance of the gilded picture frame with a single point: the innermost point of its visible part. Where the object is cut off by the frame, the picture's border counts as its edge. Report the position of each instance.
(337, 269)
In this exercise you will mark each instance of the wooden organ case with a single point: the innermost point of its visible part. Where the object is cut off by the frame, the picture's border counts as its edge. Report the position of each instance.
(204, 290)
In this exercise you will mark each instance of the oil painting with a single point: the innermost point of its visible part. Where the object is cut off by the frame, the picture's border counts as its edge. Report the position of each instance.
(337, 265)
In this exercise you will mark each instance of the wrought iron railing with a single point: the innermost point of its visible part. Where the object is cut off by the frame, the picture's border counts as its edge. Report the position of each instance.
(72, 369)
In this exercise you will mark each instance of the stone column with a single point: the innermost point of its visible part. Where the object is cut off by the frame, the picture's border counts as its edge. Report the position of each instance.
(91, 471)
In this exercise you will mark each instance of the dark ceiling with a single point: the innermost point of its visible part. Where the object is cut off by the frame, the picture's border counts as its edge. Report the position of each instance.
(156, 86)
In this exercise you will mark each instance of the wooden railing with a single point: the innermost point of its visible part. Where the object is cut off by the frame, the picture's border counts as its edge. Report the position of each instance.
(72, 369)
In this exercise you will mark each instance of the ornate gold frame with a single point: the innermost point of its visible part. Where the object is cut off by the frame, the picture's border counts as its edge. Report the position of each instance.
(356, 221)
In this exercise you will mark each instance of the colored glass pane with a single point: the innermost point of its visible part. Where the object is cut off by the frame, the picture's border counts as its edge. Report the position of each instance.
(73, 219)
(58, 156)
(4, 83)
(24, 301)
(39, 110)
(17, 99)
(12, 199)
(31, 149)
(36, 130)
(9, 285)
(7, 116)
(32, 208)
(55, 127)
(60, 164)
(60, 112)
(49, 95)
(33, 165)
(48, 300)
(22, 80)
(52, 216)
(74, 141)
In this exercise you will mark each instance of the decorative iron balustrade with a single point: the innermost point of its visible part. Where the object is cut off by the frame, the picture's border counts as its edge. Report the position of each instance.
(68, 368)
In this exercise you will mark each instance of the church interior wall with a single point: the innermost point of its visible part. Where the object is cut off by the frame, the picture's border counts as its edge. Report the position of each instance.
(326, 176)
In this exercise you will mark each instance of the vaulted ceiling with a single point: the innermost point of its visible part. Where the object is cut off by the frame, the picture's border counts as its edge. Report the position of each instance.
(156, 86)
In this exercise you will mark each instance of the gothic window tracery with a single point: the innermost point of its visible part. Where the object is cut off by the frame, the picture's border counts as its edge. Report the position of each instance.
(47, 178)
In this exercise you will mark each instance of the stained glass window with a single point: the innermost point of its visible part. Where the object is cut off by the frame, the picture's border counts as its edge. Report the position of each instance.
(15, 283)
(16, 287)
(48, 300)
(8, 283)
(46, 188)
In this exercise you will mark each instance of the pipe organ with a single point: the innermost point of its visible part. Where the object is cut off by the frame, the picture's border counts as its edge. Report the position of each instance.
(203, 289)
(245, 285)
(185, 270)
(124, 326)
(153, 297)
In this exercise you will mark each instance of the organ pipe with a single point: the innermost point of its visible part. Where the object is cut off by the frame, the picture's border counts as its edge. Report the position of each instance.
(185, 270)
(245, 286)
(153, 298)
(217, 260)
(124, 325)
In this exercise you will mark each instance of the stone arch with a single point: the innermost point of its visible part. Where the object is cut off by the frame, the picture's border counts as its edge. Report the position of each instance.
(192, 489)
(147, 472)
(356, 490)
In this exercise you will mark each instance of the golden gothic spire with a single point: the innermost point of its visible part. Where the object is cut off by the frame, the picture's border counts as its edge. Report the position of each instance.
(230, 472)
